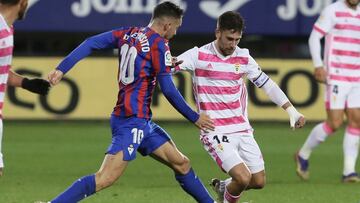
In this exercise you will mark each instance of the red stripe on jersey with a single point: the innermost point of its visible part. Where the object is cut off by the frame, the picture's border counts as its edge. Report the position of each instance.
(127, 100)
(118, 33)
(2, 87)
(345, 53)
(346, 14)
(217, 74)
(6, 51)
(141, 98)
(345, 78)
(219, 105)
(218, 90)
(228, 121)
(316, 28)
(5, 33)
(5, 69)
(214, 58)
(347, 40)
(345, 66)
(347, 27)
(156, 56)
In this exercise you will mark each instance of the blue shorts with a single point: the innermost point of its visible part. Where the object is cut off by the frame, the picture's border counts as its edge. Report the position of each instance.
(135, 134)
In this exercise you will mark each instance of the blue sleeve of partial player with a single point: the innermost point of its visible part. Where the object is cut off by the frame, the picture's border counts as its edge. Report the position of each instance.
(174, 97)
(102, 41)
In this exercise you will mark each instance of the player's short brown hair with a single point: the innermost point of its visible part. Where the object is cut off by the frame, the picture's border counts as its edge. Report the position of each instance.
(231, 20)
(167, 9)
(9, 2)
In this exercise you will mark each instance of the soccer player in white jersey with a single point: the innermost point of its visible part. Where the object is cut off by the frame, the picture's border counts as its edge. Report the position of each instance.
(11, 10)
(218, 71)
(339, 23)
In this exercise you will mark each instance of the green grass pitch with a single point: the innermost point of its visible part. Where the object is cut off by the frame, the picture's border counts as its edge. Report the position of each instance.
(42, 159)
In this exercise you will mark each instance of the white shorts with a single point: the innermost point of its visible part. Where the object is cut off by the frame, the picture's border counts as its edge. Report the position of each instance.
(342, 95)
(229, 150)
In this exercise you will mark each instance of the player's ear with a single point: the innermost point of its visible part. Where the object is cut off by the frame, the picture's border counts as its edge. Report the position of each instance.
(217, 33)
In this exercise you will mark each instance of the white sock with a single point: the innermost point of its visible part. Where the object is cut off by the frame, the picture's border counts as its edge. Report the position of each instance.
(318, 135)
(351, 149)
(227, 181)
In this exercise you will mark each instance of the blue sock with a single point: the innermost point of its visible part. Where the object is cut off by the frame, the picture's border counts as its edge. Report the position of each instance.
(80, 189)
(194, 187)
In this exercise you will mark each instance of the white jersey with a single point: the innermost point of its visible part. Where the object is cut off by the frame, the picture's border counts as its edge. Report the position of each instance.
(6, 50)
(341, 27)
(219, 87)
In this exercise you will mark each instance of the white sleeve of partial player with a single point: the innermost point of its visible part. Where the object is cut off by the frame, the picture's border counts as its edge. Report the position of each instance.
(315, 48)
(275, 93)
(189, 59)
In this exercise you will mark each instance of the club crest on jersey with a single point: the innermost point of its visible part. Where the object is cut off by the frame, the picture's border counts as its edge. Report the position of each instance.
(220, 147)
(168, 58)
(130, 149)
(237, 68)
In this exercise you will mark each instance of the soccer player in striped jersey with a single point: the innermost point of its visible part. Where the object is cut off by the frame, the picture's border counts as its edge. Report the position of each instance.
(10, 11)
(218, 70)
(339, 23)
(144, 59)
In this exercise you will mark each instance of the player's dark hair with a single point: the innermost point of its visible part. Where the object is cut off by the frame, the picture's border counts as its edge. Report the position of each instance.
(231, 20)
(167, 9)
(9, 2)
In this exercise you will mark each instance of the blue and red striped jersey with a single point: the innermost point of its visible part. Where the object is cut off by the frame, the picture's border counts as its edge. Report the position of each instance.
(143, 54)
(144, 58)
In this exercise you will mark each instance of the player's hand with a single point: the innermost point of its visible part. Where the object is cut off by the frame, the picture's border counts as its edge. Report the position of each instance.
(297, 120)
(320, 74)
(55, 76)
(37, 85)
(175, 62)
(205, 123)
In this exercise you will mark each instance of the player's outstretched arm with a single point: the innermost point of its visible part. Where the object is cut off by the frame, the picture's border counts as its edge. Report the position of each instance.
(297, 120)
(36, 85)
(104, 40)
(169, 90)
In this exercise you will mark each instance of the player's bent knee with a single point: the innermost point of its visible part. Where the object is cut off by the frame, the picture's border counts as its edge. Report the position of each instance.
(183, 166)
(241, 178)
(335, 124)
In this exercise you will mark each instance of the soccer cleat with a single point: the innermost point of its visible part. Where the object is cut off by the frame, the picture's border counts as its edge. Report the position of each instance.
(1, 171)
(351, 178)
(219, 187)
(302, 167)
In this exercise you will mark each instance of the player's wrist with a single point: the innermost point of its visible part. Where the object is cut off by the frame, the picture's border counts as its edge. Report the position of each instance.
(291, 110)
(25, 83)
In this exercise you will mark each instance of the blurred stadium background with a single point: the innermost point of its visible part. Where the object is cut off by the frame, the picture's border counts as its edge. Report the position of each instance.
(50, 141)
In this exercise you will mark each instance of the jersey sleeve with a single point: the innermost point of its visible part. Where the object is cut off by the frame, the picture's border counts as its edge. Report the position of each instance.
(253, 70)
(255, 74)
(161, 57)
(189, 59)
(325, 22)
(104, 40)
